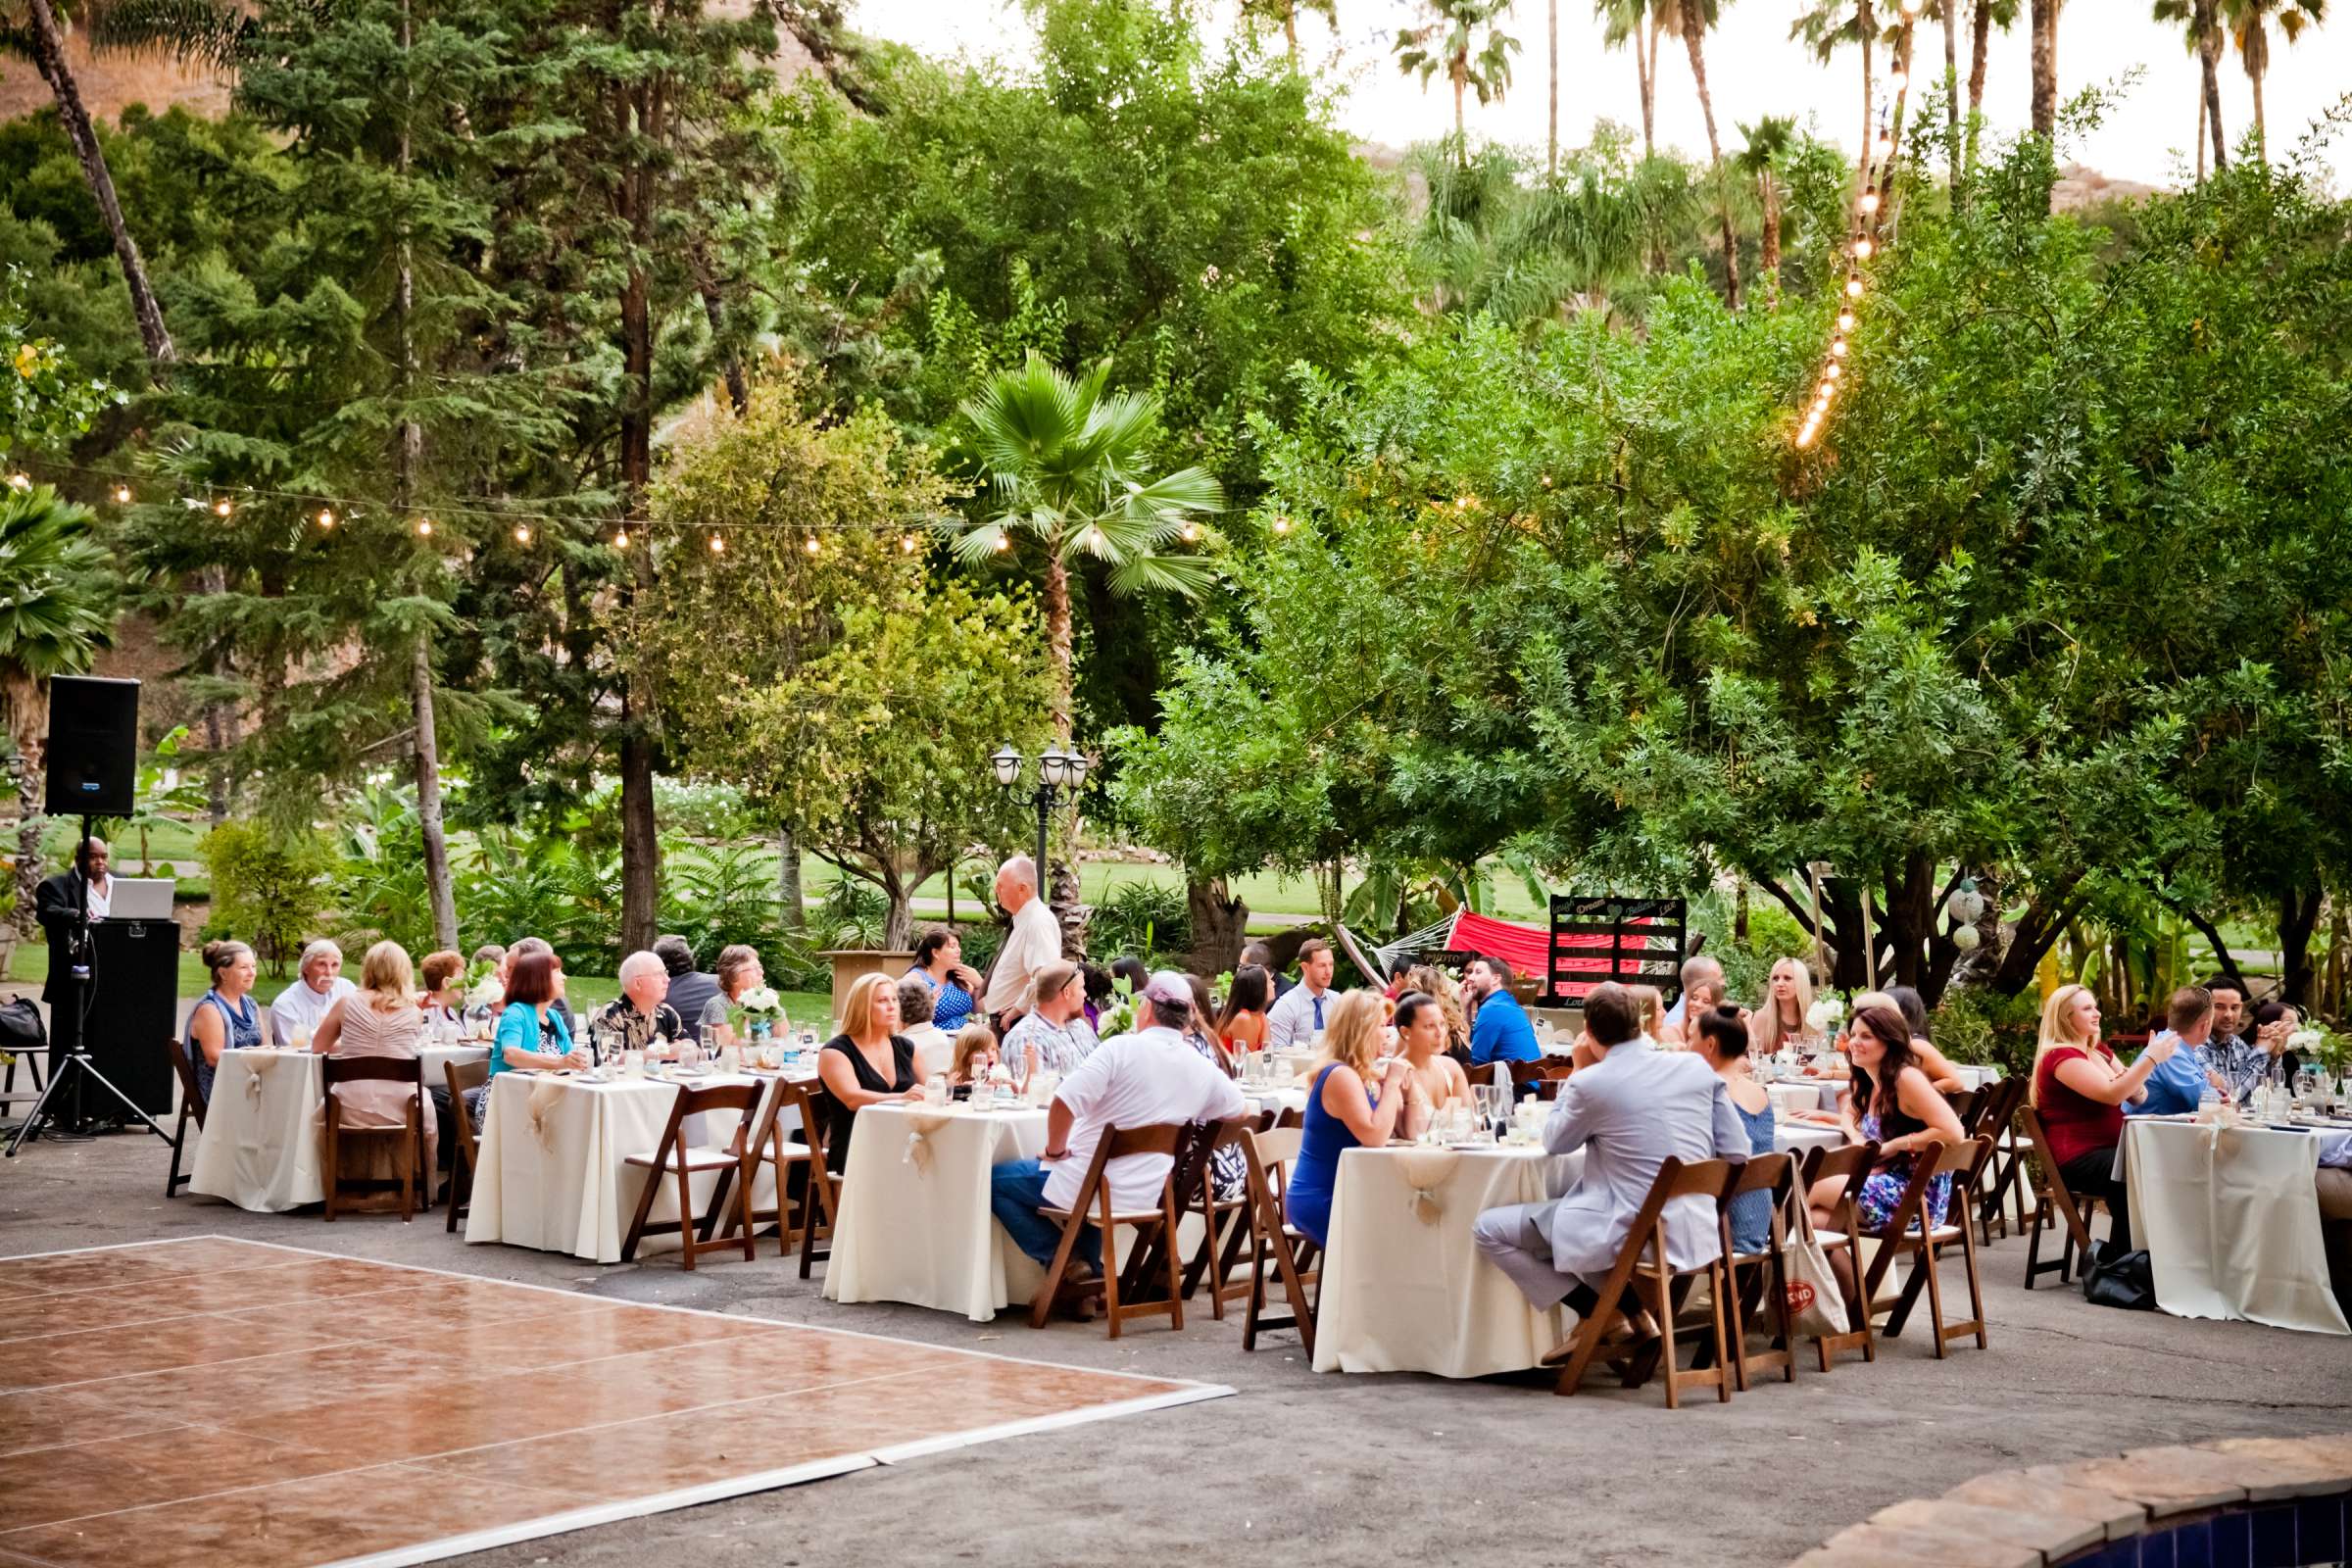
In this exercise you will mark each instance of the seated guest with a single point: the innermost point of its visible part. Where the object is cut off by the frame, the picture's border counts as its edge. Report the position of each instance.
(1145, 1079)
(1782, 1023)
(2079, 1091)
(1098, 992)
(867, 1062)
(294, 1016)
(1228, 1164)
(1298, 1014)
(953, 984)
(1260, 954)
(1432, 981)
(1053, 1034)
(1130, 969)
(225, 1017)
(641, 1017)
(1651, 1003)
(443, 976)
(1702, 993)
(2240, 1064)
(738, 970)
(2274, 1021)
(2180, 1083)
(917, 1023)
(560, 1005)
(690, 989)
(1895, 1106)
(1720, 1036)
(1242, 1023)
(379, 1018)
(1630, 1112)
(1499, 1030)
(973, 1055)
(1938, 1068)
(532, 1036)
(1349, 1105)
(1437, 1080)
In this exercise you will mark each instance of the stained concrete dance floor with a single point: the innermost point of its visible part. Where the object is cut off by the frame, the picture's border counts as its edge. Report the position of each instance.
(210, 1400)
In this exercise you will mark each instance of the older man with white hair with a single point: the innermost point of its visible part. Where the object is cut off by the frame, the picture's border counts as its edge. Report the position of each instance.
(639, 1016)
(1034, 941)
(295, 1015)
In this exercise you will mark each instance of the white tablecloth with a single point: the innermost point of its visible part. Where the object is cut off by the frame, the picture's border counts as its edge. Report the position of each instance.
(1406, 1289)
(2230, 1218)
(920, 1231)
(261, 1143)
(553, 1174)
(1803, 1093)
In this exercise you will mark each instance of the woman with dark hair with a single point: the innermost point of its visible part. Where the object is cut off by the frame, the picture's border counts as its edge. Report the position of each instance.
(1720, 1035)
(532, 1037)
(1437, 1080)
(1894, 1105)
(1132, 969)
(1242, 1023)
(2274, 1021)
(939, 965)
(1097, 986)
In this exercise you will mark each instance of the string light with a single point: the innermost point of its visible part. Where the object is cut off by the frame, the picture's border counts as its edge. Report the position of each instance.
(1845, 320)
(906, 543)
(1003, 542)
(1188, 531)
(1548, 481)
(1870, 201)
(326, 516)
(1834, 371)
(20, 481)
(1853, 287)
(522, 534)
(620, 539)
(1282, 522)
(1838, 347)
(424, 527)
(223, 507)
(1896, 80)
(1862, 248)
(123, 495)
(718, 546)
(1093, 537)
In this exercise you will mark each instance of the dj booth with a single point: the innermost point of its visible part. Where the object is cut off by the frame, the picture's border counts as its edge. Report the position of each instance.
(134, 981)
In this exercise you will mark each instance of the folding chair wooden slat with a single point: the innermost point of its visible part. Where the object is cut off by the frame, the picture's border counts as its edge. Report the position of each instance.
(1765, 1283)
(1279, 1257)
(191, 1108)
(462, 1076)
(409, 1070)
(1093, 1206)
(2054, 1204)
(1643, 1266)
(820, 1198)
(1850, 1165)
(1965, 1164)
(671, 1157)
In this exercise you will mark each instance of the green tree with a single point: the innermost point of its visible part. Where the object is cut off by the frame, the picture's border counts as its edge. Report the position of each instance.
(2203, 25)
(57, 609)
(1768, 144)
(1465, 40)
(1692, 18)
(2250, 22)
(269, 885)
(1639, 22)
(1285, 12)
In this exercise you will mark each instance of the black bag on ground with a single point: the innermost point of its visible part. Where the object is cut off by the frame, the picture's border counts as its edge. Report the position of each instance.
(2122, 1279)
(21, 1032)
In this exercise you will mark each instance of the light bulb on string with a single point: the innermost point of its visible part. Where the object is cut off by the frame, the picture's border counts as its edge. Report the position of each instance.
(1846, 320)
(1834, 371)
(1884, 147)
(1896, 81)
(424, 527)
(1837, 347)
(1548, 481)
(1853, 288)
(1004, 543)
(620, 539)
(1282, 522)
(906, 543)
(522, 534)
(123, 495)
(20, 481)
(1862, 248)
(326, 516)
(223, 507)
(1870, 201)
(1188, 531)
(1093, 538)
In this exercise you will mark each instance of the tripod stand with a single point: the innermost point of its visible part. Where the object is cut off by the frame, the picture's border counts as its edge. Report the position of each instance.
(82, 953)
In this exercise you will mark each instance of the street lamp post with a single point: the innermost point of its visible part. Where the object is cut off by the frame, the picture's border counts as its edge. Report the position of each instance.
(1060, 775)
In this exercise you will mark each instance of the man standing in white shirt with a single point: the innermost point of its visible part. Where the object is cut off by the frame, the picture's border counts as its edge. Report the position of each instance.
(1145, 1079)
(294, 1016)
(1034, 941)
(1297, 1016)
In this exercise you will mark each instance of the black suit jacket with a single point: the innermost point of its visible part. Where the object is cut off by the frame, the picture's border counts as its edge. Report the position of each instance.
(57, 902)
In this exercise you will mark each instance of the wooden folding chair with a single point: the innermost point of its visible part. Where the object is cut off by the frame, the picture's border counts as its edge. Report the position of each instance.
(1996, 1118)
(1764, 1289)
(674, 1157)
(462, 1076)
(408, 1070)
(1224, 1221)
(1965, 1164)
(820, 1197)
(1644, 1268)
(191, 1108)
(2053, 1205)
(1280, 1254)
(783, 1158)
(1850, 1164)
(1093, 1193)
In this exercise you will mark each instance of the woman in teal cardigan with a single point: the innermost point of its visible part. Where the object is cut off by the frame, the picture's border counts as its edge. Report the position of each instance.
(532, 1034)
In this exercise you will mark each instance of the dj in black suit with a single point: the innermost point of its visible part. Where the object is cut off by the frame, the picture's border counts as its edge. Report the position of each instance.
(64, 901)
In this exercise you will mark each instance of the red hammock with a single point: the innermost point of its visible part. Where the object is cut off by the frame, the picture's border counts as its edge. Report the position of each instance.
(1527, 949)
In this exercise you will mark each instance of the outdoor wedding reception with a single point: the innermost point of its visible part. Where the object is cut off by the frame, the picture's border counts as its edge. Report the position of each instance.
(1286, 780)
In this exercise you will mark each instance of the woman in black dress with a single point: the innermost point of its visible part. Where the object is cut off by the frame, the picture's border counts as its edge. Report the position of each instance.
(868, 1062)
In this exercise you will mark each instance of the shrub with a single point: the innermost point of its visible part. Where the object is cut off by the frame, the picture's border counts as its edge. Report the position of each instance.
(1144, 919)
(1978, 1024)
(268, 885)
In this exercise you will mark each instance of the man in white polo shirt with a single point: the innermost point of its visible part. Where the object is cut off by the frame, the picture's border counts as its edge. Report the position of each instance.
(1034, 941)
(1145, 1079)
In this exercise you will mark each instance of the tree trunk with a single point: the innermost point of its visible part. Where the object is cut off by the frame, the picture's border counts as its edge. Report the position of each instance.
(2298, 916)
(2045, 69)
(1865, 25)
(1770, 263)
(1648, 66)
(438, 886)
(2208, 68)
(49, 59)
(1290, 32)
(1951, 83)
(1461, 126)
(788, 881)
(1553, 139)
(640, 841)
(2258, 65)
(1058, 649)
(1706, 106)
(28, 721)
(1220, 923)
(1980, 45)
(2200, 142)
(1739, 915)
(714, 312)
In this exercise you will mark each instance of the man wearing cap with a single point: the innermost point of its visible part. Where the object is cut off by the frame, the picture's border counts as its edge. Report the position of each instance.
(1145, 1079)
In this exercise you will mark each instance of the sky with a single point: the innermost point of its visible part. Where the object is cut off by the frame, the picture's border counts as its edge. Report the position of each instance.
(1753, 70)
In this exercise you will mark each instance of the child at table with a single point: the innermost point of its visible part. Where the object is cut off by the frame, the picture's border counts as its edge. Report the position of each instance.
(975, 1056)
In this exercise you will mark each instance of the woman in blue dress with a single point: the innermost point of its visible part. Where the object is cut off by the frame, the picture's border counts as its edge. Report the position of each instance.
(225, 1017)
(1350, 1104)
(1722, 1039)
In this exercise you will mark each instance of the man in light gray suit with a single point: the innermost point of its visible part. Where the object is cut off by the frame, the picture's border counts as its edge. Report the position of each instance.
(1629, 1112)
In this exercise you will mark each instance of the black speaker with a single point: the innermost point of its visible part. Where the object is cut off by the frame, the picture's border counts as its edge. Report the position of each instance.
(93, 750)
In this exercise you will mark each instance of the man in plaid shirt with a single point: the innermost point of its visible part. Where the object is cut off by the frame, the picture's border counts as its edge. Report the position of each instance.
(2238, 1064)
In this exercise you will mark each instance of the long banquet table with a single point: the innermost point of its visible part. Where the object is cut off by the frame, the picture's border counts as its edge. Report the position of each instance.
(2230, 1219)
(259, 1148)
(915, 1223)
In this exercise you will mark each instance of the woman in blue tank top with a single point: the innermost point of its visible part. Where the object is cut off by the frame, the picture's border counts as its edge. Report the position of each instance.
(1342, 1112)
(224, 1018)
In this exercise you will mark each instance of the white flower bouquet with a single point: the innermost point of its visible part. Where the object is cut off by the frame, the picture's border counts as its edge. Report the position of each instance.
(1826, 1014)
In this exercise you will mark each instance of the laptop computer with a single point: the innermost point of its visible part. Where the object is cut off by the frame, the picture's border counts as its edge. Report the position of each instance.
(140, 898)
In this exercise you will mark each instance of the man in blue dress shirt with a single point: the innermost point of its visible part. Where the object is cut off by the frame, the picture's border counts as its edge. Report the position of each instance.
(2176, 1087)
(1500, 1032)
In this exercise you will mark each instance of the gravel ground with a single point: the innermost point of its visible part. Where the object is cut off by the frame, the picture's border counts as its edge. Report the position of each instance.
(1305, 1469)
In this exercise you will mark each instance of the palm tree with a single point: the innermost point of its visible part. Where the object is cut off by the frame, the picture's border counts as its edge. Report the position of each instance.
(1450, 42)
(1988, 15)
(2044, 15)
(1692, 18)
(1767, 141)
(2204, 39)
(57, 609)
(1825, 27)
(1287, 11)
(2250, 21)
(1624, 21)
(1551, 158)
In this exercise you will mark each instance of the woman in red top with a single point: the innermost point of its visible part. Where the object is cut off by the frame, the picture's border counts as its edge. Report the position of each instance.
(2079, 1091)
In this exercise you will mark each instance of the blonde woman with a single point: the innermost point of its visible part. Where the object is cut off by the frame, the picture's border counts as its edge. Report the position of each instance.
(1653, 1003)
(2079, 1090)
(1349, 1104)
(867, 1063)
(1780, 1023)
(382, 1019)
(1436, 984)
